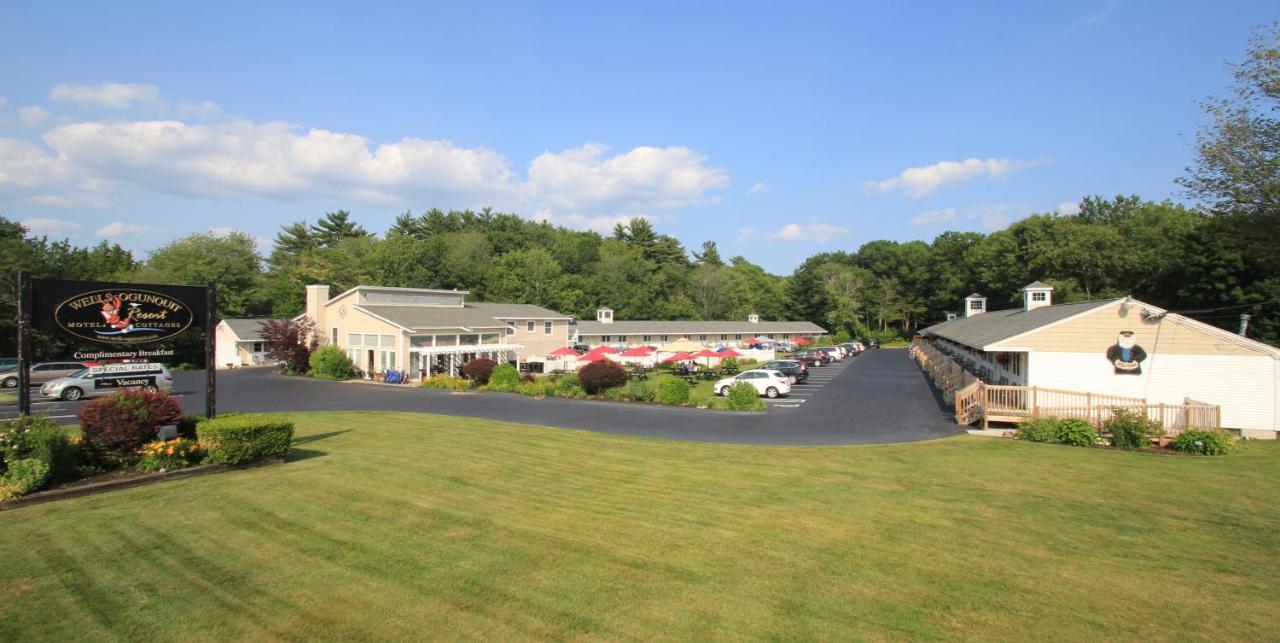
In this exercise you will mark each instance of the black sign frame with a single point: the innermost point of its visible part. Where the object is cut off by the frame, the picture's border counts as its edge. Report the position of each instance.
(65, 306)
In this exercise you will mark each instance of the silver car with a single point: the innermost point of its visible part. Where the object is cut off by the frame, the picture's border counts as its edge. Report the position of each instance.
(97, 381)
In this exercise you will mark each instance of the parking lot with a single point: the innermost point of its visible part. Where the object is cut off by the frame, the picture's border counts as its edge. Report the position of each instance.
(877, 397)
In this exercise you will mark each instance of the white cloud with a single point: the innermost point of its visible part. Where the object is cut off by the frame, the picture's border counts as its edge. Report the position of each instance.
(33, 115)
(645, 178)
(988, 217)
(275, 160)
(4, 102)
(603, 223)
(819, 232)
(67, 200)
(203, 110)
(756, 188)
(120, 229)
(117, 95)
(920, 182)
(1069, 208)
(48, 226)
(746, 234)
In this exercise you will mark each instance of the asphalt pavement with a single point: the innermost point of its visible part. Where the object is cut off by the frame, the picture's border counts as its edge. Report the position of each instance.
(875, 398)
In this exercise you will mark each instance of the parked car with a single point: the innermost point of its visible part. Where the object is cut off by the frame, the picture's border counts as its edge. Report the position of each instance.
(835, 353)
(96, 381)
(873, 343)
(812, 357)
(794, 369)
(770, 384)
(8, 363)
(41, 373)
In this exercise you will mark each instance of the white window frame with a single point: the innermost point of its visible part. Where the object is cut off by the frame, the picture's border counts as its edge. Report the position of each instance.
(532, 325)
(547, 327)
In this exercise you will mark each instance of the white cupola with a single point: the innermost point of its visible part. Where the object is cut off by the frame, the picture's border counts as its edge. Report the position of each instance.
(974, 304)
(604, 315)
(753, 318)
(1036, 295)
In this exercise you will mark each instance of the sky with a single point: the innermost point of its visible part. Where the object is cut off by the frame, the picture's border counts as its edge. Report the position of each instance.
(778, 132)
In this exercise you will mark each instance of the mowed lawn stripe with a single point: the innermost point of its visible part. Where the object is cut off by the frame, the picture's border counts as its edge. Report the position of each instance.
(402, 525)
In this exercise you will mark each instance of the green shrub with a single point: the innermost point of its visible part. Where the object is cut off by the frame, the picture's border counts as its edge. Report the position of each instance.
(730, 363)
(1039, 430)
(446, 382)
(504, 377)
(673, 390)
(568, 383)
(641, 391)
(1131, 430)
(1205, 442)
(533, 389)
(617, 394)
(1076, 432)
(120, 423)
(23, 477)
(331, 363)
(747, 363)
(601, 375)
(479, 369)
(744, 397)
(236, 439)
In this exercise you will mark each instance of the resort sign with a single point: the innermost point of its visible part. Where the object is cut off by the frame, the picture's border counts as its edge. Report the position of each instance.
(131, 319)
(123, 316)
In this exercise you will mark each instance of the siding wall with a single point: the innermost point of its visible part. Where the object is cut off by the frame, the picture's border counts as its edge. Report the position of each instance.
(1098, 330)
(538, 344)
(360, 322)
(1244, 385)
(224, 347)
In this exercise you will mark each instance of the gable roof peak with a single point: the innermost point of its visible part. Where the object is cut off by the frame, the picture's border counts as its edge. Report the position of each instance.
(1037, 285)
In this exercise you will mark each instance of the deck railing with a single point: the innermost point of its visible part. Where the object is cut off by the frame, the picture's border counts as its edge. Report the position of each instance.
(976, 400)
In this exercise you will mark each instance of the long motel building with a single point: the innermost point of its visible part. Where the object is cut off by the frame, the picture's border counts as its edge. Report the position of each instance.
(431, 332)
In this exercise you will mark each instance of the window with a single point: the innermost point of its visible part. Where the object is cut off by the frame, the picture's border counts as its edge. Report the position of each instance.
(1039, 296)
(490, 338)
(622, 339)
(334, 333)
(388, 341)
(531, 325)
(702, 338)
(421, 341)
(511, 328)
(647, 339)
(976, 304)
(664, 337)
(605, 339)
(355, 339)
(446, 340)
(257, 347)
(468, 340)
(370, 340)
(737, 336)
(546, 328)
(724, 337)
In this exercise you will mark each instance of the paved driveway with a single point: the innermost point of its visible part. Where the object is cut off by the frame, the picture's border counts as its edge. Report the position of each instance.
(878, 397)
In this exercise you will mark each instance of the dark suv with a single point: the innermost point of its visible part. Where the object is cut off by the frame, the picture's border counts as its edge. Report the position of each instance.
(794, 369)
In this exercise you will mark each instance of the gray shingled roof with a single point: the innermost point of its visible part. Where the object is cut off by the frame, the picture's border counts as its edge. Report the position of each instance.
(684, 328)
(469, 316)
(986, 329)
(1036, 285)
(248, 329)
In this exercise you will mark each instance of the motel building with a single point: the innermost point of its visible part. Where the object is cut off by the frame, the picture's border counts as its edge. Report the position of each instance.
(605, 330)
(1119, 347)
(431, 332)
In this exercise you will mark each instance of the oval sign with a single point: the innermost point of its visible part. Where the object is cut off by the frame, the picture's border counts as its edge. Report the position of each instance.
(123, 316)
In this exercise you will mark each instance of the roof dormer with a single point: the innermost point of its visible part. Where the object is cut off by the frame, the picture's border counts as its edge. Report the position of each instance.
(974, 304)
(753, 318)
(1036, 295)
(604, 315)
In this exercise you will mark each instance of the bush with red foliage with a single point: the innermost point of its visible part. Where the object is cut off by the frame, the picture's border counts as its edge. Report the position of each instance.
(123, 422)
(479, 370)
(290, 342)
(600, 375)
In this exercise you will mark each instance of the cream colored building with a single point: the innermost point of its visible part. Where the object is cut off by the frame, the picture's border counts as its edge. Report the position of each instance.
(429, 332)
(238, 343)
(1118, 347)
(605, 330)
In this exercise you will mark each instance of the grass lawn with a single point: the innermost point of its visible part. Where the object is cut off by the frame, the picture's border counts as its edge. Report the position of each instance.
(7, 397)
(394, 526)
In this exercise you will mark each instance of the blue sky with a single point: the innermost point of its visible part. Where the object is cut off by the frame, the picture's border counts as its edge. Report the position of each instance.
(777, 133)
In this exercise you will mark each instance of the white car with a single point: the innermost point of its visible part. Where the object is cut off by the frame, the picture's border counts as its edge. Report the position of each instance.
(97, 381)
(768, 383)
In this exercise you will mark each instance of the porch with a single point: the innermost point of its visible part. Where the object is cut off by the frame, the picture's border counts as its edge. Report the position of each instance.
(449, 360)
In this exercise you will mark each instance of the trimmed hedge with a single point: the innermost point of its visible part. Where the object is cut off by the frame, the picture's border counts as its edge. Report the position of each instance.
(673, 390)
(331, 363)
(236, 439)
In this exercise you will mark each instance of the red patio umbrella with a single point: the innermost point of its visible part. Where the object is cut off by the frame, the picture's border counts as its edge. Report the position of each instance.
(679, 357)
(592, 357)
(802, 341)
(639, 351)
(707, 353)
(600, 350)
(563, 352)
(728, 352)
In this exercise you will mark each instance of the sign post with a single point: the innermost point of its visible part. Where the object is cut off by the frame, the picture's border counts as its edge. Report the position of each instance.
(24, 343)
(210, 356)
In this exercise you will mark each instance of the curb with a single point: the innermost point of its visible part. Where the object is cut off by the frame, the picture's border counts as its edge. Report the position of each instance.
(41, 497)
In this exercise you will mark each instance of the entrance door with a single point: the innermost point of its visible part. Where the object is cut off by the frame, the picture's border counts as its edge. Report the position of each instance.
(370, 368)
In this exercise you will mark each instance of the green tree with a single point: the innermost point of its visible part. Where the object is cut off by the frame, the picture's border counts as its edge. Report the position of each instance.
(333, 227)
(231, 262)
